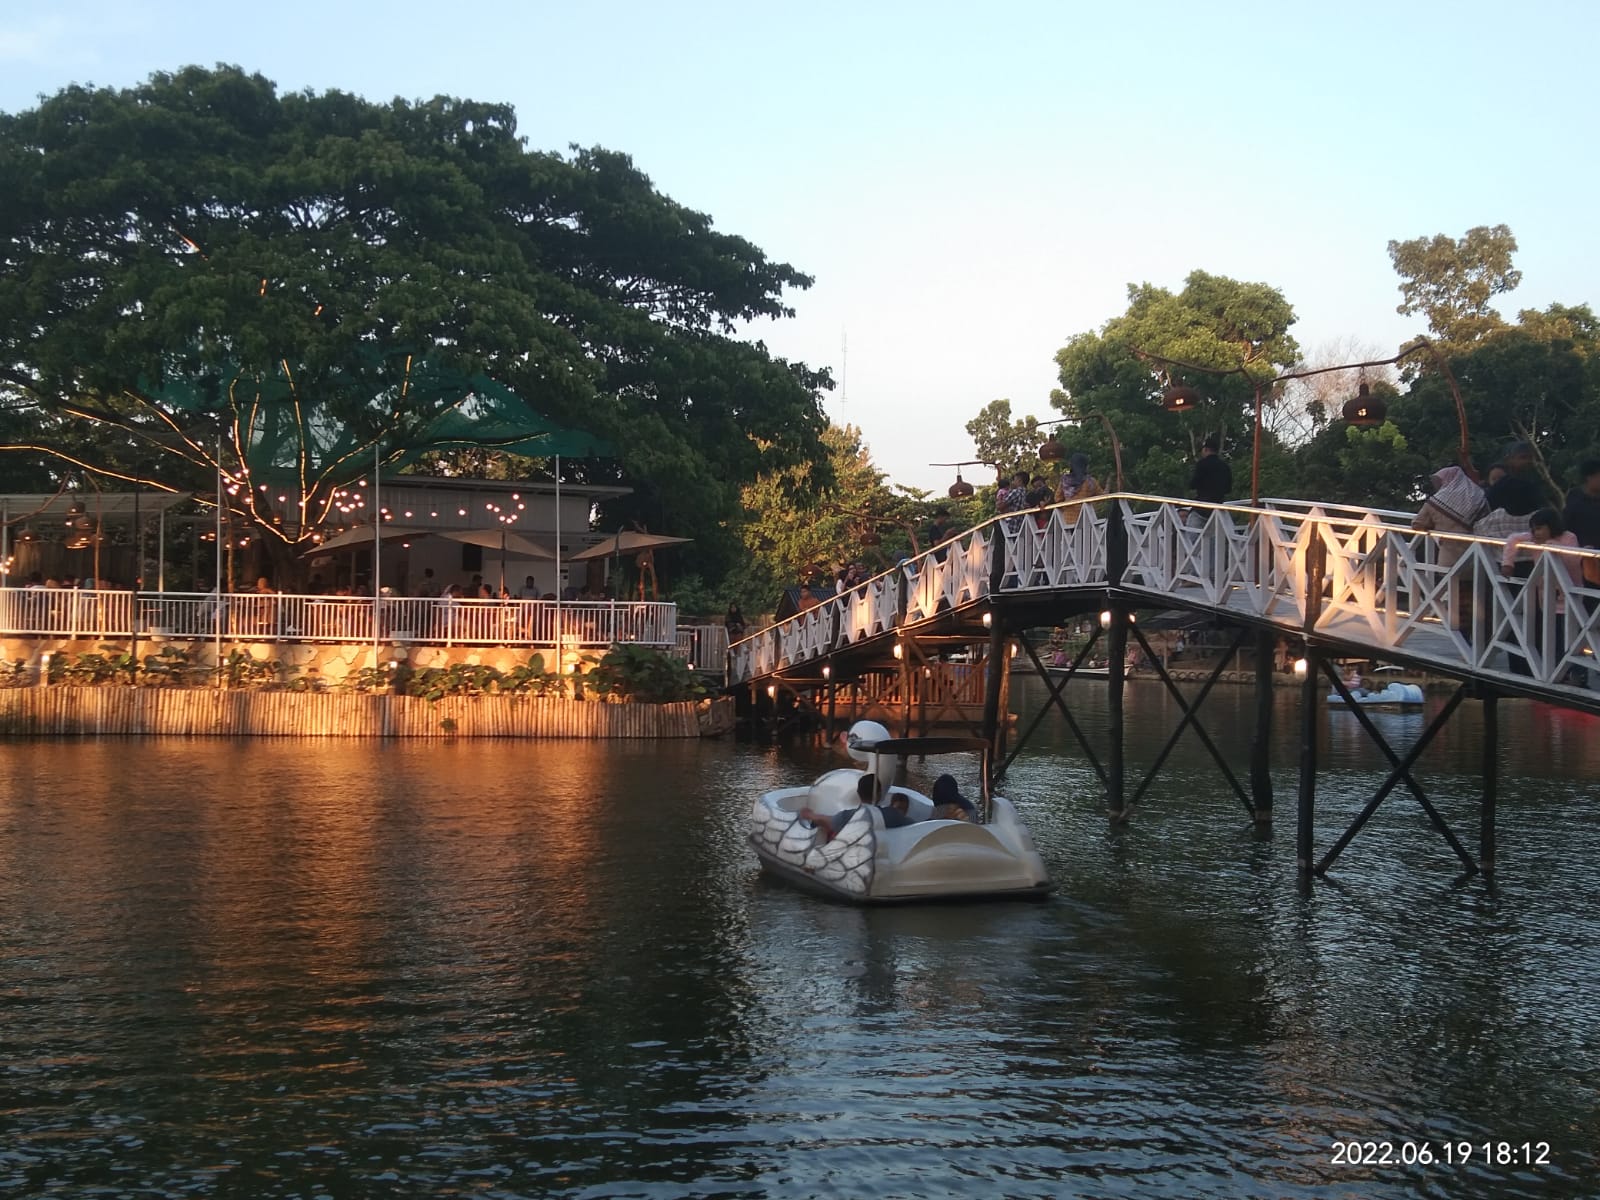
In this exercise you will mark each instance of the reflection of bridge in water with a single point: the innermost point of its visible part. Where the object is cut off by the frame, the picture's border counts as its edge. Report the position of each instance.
(1342, 582)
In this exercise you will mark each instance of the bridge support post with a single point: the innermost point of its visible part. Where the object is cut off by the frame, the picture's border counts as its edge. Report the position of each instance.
(1310, 695)
(1261, 747)
(1491, 782)
(996, 669)
(831, 687)
(1116, 663)
(906, 645)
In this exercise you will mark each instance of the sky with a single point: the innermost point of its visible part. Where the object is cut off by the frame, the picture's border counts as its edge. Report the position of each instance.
(973, 185)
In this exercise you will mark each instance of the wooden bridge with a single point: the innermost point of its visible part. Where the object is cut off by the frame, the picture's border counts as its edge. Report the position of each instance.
(1343, 582)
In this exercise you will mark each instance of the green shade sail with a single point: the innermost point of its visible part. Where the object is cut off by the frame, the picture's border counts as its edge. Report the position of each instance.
(323, 431)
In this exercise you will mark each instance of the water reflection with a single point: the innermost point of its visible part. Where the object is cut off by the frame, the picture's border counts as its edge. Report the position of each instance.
(553, 970)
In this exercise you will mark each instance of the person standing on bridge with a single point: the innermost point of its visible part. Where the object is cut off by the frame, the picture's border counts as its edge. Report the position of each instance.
(1455, 505)
(1519, 492)
(1582, 515)
(1213, 477)
(1077, 484)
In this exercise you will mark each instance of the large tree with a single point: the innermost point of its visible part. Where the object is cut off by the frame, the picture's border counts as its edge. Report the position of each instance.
(806, 521)
(309, 276)
(1238, 330)
(1451, 281)
(1008, 444)
(1536, 381)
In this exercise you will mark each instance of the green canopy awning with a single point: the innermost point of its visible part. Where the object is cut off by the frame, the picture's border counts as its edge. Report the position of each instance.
(405, 406)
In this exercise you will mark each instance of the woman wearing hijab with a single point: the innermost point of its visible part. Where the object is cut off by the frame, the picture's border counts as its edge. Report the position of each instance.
(1077, 484)
(1456, 505)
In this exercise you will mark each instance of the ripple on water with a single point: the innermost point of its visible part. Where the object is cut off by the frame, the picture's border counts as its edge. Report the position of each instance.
(552, 970)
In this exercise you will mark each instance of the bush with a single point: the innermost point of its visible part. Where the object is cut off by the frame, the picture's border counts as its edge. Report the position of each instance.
(648, 676)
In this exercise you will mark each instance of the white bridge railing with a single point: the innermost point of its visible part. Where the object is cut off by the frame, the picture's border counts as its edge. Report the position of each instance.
(703, 647)
(250, 616)
(1362, 580)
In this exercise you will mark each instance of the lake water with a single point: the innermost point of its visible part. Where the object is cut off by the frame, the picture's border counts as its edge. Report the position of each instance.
(300, 969)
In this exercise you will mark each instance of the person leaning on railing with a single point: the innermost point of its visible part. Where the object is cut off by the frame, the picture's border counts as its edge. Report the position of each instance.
(1455, 505)
(1545, 529)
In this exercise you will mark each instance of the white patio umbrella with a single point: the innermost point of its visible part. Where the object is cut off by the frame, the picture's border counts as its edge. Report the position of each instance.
(510, 542)
(627, 541)
(502, 539)
(362, 536)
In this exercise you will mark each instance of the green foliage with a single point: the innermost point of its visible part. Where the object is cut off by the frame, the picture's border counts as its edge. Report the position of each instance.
(1007, 445)
(1452, 280)
(171, 666)
(530, 678)
(242, 669)
(1242, 329)
(109, 664)
(15, 674)
(458, 679)
(806, 521)
(205, 233)
(644, 675)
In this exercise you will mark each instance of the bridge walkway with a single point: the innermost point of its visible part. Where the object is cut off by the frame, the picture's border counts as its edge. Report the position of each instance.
(1341, 582)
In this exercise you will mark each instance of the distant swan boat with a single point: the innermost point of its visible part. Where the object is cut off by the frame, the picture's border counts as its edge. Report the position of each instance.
(1395, 695)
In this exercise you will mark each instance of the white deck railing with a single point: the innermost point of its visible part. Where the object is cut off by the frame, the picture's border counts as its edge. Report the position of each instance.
(703, 647)
(69, 613)
(1360, 579)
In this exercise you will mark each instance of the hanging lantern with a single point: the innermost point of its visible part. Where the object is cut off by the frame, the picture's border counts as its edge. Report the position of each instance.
(960, 489)
(1364, 410)
(1052, 450)
(1179, 398)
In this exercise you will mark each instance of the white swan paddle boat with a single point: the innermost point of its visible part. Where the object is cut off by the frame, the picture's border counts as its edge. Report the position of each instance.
(1394, 695)
(866, 861)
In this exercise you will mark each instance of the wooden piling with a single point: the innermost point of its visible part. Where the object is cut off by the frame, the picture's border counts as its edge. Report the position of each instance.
(1310, 698)
(1261, 745)
(996, 667)
(1491, 782)
(1116, 664)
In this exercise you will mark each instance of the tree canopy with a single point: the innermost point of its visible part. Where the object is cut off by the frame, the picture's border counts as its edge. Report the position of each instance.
(1451, 281)
(203, 256)
(1239, 329)
(805, 522)
(1007, 444)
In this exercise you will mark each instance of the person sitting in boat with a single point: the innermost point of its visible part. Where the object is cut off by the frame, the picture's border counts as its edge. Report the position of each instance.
(948, 802)
(867, 793)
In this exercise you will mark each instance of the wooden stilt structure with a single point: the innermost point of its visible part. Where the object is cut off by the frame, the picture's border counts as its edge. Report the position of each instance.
(1261, 744)
(1310, 703)
(1491, 781)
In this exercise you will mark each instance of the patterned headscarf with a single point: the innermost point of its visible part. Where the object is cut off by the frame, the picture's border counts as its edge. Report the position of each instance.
(1457, 497)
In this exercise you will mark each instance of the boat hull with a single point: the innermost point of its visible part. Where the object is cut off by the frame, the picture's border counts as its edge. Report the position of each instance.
(797, 878)
(867, 863)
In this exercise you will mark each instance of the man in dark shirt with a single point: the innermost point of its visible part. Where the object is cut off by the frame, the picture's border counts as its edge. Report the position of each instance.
(1213, 478)
(1582, 513)
(939, 531)
(1518, 491)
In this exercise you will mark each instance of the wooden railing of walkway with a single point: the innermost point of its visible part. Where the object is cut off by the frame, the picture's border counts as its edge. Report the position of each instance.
(1351, 581)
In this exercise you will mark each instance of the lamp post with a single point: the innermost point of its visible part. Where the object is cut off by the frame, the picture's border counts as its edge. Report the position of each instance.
(1362, 410)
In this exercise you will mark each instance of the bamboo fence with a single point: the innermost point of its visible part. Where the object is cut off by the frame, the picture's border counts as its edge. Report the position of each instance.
(201, 712)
